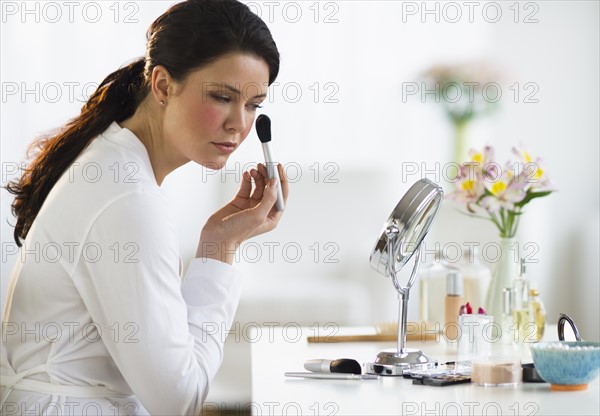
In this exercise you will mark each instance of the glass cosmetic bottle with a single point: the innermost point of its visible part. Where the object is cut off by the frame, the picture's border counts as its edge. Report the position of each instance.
(507, 317)
(476, 276)
(537, 314)
(432, 289)
(520, 306)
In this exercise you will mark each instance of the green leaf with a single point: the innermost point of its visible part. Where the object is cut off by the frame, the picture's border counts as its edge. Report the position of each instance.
(515, 213)
(531, 195)
(486, 192)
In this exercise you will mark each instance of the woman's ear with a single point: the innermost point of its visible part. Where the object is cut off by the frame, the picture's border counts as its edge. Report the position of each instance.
(162, 84)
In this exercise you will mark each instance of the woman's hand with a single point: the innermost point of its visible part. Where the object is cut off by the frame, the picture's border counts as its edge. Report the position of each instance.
(250, 213)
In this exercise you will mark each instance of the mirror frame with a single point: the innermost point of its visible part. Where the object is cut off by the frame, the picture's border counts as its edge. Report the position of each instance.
(417, 208)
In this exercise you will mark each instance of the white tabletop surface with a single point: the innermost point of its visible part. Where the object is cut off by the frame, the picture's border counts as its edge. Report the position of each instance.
(276, 350)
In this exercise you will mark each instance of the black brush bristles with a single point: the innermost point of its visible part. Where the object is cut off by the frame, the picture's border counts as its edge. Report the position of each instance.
(263, 128)
(345, 365)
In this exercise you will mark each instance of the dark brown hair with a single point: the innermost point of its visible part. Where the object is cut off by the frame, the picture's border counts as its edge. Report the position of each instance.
(186, 37)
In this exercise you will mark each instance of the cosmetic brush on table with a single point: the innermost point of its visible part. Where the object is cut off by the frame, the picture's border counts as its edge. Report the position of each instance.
(342, 365)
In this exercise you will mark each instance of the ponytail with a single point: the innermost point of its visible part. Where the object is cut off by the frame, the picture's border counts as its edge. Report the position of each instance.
(115, 99)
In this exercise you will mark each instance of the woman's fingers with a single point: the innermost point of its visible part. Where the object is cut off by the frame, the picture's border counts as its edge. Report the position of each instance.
(248, 195)
(260, 179)
(252, 212)
(245, 186)
(262, 169)
(284, 182)
(265, 213)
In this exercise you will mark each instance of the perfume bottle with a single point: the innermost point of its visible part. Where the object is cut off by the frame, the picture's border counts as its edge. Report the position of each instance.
(432, 289)
(507, 317)
(537, 314)
(520, 306)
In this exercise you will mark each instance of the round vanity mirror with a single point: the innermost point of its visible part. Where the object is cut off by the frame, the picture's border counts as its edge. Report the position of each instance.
(399, 241)
(412, 219)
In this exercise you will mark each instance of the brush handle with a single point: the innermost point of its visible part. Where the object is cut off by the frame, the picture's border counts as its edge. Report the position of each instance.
(333, 376)
(318, 366)
(273, 172)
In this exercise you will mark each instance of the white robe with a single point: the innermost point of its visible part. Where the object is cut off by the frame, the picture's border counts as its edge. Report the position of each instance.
(96, 298)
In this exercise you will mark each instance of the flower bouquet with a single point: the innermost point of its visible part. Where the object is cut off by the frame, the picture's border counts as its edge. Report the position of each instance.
(499, 193)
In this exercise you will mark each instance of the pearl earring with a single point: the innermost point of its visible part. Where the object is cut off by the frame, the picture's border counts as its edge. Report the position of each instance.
(162, 103)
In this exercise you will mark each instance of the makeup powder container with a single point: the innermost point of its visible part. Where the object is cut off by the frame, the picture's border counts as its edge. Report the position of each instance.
(497, 371)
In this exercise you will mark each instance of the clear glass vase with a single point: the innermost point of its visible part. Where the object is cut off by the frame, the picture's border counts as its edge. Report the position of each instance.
(504, 273)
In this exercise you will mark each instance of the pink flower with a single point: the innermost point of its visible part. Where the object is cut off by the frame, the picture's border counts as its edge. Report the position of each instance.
(483, 163)
(469, 186)
(505, 193)
(531, 172)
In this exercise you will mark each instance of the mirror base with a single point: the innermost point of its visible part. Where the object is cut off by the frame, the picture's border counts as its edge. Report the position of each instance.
(393, 363)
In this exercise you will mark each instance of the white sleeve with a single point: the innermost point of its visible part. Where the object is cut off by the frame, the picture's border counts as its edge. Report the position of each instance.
(172, 349)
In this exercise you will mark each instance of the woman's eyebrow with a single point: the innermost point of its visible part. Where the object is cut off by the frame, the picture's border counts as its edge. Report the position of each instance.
(236, 91)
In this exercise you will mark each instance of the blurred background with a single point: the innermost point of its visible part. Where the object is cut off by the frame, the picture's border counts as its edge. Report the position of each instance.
(355, 125)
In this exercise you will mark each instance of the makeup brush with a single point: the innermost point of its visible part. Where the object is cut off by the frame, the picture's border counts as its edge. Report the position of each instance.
(263, 129)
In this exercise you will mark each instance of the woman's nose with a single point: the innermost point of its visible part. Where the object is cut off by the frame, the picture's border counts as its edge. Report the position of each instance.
(236, 122)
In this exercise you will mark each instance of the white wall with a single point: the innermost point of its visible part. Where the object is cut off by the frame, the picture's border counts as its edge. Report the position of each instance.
(364, 140)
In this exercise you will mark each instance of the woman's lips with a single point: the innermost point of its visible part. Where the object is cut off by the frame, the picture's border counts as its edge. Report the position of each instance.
(225, 147)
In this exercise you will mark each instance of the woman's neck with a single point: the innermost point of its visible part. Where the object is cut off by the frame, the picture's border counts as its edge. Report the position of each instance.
(146, 124)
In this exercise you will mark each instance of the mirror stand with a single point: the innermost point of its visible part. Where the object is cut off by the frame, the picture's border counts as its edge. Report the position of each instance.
(394, 362)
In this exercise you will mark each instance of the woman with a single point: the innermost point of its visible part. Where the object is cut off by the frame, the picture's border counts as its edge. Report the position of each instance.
(99, 320)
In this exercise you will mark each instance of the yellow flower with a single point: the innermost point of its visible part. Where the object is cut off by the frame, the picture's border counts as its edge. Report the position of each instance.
(539, 173)
(498, 188)
(477, 157)
(468, 186)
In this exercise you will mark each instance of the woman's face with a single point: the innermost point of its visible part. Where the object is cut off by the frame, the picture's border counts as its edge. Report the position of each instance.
(210, 113)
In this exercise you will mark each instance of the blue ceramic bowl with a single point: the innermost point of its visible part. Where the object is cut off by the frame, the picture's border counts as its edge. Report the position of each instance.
(567, 365)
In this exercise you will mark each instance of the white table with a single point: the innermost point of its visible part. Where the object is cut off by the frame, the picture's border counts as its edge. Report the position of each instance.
(276, 350)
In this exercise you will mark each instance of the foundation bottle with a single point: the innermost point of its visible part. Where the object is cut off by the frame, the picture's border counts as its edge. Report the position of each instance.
(452, 303)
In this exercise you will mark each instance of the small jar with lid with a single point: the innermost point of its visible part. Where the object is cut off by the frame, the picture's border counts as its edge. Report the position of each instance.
(497, 371)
